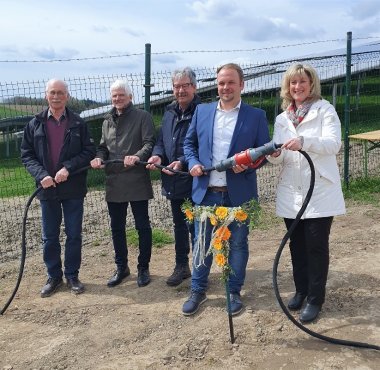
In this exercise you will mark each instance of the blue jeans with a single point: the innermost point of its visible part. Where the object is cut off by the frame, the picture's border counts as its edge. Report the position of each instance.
(181, 232)
(238, 256)
(51, 226)
(118, 215)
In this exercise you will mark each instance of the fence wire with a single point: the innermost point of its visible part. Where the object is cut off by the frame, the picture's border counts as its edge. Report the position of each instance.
(90, 97)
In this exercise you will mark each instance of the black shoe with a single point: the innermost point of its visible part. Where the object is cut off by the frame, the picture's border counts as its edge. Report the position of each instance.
(75, 285)
(295, 303)
(191, 306)
(143, 277)
(118, 277)
(180, 273)
(50, 287)
(236, 304)
(310, 312)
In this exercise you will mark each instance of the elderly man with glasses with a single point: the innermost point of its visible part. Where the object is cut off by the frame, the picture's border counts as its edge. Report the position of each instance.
(56, 144)
(168, 151)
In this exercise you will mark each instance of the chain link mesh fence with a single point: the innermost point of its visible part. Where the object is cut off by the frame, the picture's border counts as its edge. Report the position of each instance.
(19, 101)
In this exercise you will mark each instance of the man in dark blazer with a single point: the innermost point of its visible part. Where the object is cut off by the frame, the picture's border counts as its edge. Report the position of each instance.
(168, 151)
(219, 130)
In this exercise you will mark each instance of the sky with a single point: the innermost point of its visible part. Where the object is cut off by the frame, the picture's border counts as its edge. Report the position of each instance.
(196, 33)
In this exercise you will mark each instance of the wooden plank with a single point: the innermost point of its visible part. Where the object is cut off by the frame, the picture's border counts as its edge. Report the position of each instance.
(370, 136)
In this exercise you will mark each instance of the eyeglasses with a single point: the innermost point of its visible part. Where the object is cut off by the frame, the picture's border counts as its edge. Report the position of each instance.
(184, 86)
(58, 93)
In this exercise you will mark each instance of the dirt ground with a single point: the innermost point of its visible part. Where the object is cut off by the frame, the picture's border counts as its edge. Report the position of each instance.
(128, 327)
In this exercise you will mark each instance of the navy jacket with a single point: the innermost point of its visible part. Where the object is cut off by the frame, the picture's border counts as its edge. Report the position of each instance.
(169, 147)
(77, 151)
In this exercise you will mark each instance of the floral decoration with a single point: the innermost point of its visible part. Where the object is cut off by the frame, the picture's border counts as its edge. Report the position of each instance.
(220, 218)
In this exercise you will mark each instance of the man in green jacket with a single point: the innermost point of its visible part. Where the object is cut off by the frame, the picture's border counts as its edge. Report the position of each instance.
(127, 136)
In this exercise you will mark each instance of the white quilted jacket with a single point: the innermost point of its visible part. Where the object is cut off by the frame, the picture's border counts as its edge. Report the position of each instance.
(322, 140)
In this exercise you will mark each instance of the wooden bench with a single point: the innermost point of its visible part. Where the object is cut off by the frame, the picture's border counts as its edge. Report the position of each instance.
(371, 140)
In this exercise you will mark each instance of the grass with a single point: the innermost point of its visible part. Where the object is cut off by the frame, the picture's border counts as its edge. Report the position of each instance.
(6, 112)
(364, 190)
(159, 238)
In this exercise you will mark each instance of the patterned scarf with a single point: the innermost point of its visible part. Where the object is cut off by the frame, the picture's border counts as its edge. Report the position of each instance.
(297, 115)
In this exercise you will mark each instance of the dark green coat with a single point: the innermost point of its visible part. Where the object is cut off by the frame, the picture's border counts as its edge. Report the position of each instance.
(131, 133)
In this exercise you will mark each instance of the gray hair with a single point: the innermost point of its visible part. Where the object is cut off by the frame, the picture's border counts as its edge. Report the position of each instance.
(185, 72)
(53, 80)
(121, 84)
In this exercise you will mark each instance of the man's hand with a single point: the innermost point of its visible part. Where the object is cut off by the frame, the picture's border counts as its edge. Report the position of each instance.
(239, 168)
(197, 170)
(130, 160)
(175, 165)
(154, 159)
(61, 175)
(97, 163)
(47, 182)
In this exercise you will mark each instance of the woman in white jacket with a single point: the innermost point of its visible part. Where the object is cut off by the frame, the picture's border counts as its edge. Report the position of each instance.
(311, 124)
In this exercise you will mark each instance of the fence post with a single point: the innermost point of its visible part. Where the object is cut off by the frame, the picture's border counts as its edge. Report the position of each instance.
(147, 84)
(347, 109)
(334, 94)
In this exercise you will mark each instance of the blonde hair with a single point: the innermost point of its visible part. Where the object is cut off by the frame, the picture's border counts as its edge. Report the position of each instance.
(298, 70)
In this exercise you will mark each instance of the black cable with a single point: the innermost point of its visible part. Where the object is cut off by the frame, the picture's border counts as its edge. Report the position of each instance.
(276, 262)
(23, 250)
(25, 216)
(23, 240)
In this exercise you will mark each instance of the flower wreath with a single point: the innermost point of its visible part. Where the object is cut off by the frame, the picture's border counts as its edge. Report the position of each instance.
(220, 218)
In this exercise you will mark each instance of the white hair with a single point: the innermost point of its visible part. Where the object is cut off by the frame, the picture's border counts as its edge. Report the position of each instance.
(53, 80)
(121, 84)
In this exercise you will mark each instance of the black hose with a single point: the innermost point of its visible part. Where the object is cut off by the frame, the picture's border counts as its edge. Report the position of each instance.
(23, 250)
(25, 216)
(276, 262)
(23, 240)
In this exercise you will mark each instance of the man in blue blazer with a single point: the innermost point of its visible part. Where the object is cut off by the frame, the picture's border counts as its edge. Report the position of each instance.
(219, 130)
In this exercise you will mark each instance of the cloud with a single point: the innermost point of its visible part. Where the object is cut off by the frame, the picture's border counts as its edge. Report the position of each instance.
(131, 32)
(263, 29)
(362, 10)
(213, 10)
(166, 59)
(241, 19)
(8, 49)
(50, 53)
(101, 29)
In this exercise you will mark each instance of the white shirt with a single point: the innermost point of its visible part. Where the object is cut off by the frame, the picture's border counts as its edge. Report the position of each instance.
(224, 126)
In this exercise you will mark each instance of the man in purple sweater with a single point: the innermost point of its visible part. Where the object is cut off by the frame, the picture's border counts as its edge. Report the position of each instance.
(56, 144)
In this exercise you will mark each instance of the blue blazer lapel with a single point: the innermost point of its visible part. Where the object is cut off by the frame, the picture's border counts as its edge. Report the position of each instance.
(210, 119)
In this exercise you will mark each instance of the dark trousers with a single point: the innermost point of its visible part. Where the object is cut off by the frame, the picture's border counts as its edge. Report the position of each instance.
(181, 233)
(309, 249)
(118, 215)
(52, 210)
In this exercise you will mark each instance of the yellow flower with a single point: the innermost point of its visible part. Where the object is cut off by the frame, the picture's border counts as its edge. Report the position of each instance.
(218, 244)
(220, 259)
(240, 215)
(223, 233)
(213, 220)
(189, 215)
(221, 212)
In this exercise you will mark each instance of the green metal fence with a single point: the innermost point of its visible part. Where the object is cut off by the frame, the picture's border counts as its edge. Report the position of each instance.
(90, 97)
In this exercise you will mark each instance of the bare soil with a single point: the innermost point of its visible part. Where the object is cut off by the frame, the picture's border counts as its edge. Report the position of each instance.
(128, 327)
